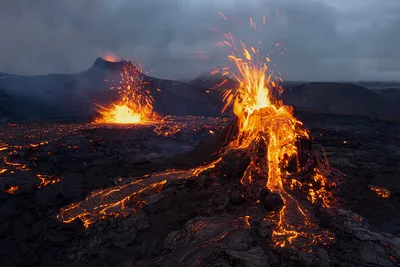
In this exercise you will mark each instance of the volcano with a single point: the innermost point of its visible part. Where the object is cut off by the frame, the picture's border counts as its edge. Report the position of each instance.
(71, 97)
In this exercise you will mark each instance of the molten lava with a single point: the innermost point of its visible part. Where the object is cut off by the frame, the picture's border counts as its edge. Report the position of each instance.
(118, 113)
(266, 122)
(12, 190)
(380, 191)
(46, 180)
(110, 57)
(134, 103)
(123, 200)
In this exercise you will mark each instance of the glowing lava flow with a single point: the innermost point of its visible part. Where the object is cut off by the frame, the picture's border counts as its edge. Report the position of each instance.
(267, 123)
(380, 191)
(134, 105)
(123, 200)
(46, 180)
(12, 190)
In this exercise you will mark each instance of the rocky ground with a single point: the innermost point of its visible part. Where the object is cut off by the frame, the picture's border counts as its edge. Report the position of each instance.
(190, 218)
(367, 151)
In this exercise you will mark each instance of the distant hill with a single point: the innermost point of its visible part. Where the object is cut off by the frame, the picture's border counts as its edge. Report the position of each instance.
(379, 85)
(343, 98)
(216, 83)
(73, 95)
(390, 93)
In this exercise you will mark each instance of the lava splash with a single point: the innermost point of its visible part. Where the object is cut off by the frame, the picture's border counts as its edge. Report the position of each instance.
(134, 103)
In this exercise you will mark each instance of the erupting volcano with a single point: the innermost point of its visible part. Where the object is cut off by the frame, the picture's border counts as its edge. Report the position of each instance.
(229, 168)
(264, 123)
(268, 136)
(134, 103)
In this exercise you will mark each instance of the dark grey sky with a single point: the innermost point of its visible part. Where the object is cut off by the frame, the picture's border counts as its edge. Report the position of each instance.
(326, 39)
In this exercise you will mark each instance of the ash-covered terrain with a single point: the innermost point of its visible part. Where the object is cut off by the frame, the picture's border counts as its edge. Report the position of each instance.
(186, 218)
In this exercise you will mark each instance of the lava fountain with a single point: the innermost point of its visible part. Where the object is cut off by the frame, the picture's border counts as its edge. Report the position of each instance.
(264, 121)
(134, 103)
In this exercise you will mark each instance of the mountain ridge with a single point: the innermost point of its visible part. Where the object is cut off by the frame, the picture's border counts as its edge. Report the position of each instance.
(69, 95)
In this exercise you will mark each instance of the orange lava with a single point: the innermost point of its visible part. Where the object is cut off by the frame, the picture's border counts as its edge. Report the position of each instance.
(264, 121)
(123, 200)
(380, 191)
(16, 165)
(110, 57)
(105, 203)
(134, 103)
(12, 190)
(118, 113)
(46, 180)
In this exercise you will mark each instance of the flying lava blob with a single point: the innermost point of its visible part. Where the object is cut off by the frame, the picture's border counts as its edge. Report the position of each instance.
(134, 103)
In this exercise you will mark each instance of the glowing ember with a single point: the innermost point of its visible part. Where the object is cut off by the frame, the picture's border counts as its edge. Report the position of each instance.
(134, 104)
(380, 191)
(46, 180)
(266, 122)
(320, 193)
(167, 130)
(16, 165)
(12, 189)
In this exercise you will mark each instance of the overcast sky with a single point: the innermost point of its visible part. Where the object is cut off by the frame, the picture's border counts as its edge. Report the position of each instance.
(325, 39)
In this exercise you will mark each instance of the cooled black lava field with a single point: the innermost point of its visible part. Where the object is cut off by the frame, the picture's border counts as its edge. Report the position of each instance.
(188, 221)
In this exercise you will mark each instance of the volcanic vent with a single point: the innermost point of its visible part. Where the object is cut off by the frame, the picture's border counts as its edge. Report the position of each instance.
(134, 103)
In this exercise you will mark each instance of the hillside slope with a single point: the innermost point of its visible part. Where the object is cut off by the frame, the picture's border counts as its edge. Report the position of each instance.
(74, 95)
(343, 98)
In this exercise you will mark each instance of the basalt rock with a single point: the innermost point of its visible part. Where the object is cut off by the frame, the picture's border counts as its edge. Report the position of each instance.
(272, 202)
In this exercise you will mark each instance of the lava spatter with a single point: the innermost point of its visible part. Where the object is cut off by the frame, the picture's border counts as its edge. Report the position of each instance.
(134, 103)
